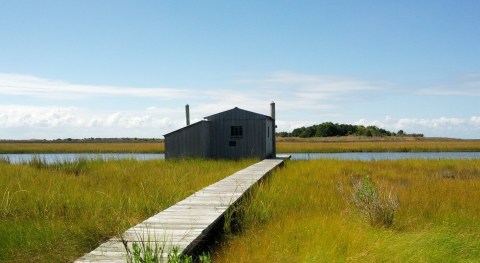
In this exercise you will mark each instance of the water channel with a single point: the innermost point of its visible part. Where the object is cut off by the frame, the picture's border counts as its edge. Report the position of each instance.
(368, 156)
(363, 156)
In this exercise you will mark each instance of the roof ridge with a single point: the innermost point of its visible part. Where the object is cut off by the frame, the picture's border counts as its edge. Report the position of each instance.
(237, 108)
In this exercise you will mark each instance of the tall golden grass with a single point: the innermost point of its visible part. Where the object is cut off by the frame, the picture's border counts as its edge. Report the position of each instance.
(284, 145)
(58, 212)
(81, 147)
(299, 214)
(305, 146)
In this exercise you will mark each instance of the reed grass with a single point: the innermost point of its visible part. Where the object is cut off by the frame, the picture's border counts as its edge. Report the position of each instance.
(299, 215)
(378, 146)
(284, 145)
(81, 147)
(58, 212)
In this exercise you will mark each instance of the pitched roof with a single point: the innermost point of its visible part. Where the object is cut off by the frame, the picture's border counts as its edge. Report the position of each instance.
(186, 127)
(237, 113)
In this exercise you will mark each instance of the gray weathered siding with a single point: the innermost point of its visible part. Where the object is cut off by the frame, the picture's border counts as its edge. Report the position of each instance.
(190, 141)
(253, 142)
(250, 144)
(213, 139)
(269, 134)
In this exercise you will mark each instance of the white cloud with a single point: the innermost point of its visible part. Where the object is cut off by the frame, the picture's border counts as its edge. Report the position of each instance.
(31, 116)
(292, 90)
(27, 85)
(301, 100)
(475, 121)
(19, 121)
(313, 86)
(314, 82)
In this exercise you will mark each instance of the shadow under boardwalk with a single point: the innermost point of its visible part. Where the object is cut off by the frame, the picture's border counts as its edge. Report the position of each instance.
(185, 224)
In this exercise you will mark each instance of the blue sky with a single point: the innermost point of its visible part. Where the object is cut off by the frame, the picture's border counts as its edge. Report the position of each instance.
(84, 69)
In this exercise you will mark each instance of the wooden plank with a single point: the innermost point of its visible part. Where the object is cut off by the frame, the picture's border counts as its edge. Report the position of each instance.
(185, 224)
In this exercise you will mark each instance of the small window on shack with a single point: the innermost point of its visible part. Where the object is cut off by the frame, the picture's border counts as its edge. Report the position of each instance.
(236, 131)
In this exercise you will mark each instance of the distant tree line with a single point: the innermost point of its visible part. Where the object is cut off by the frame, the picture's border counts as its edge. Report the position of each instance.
(329, 129)
(90, 140)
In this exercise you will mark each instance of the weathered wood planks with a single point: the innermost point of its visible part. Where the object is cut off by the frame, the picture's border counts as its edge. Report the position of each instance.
(186, 223)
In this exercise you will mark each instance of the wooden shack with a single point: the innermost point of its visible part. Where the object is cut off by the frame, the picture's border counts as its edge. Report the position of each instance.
(231, 134)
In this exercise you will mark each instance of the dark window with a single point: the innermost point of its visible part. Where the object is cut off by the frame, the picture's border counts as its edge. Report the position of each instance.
(236, 131)
(232, 143)
(268, 133)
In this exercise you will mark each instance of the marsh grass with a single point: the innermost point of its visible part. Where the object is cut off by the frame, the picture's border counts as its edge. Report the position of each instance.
(284, 145)
(74, 167)
(144, 252)
(306, 146)
(81, 147)
(57, 212)
(299, 215)
(156, 252)
(4, 159)
(234, 214)
(377, 204)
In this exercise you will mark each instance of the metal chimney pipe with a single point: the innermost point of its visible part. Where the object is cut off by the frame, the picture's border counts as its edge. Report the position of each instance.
(187, 112)
(272, 110)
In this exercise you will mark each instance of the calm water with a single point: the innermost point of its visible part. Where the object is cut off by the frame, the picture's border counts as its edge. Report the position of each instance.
(363, 156)
(60, 157)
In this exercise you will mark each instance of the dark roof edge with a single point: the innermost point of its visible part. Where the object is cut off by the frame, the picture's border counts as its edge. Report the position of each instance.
(269, 117)
(186, 127)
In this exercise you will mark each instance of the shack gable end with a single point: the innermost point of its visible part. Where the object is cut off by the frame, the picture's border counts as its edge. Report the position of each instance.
(251, 142)
(231, 134)
(189, 141)
(237, 114)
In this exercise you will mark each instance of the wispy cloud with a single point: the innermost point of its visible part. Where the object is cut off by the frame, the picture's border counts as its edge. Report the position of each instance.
(294, 91)
(21, 121)
(468, 85)
(27, 85)
(297, 91)
(329, 84)
(318, 86)
(301, 99)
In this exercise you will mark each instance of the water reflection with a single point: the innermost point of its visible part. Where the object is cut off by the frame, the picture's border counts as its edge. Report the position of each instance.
(362, 156)
(71, 157)
(368, 156)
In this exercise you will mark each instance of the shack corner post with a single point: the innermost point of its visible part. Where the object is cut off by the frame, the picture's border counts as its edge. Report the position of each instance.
(274, 126)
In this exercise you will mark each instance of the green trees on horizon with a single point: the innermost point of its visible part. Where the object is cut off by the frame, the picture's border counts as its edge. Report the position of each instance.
(329, 129)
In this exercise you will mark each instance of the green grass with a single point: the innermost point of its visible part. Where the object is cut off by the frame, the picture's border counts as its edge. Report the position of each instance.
(58, 212)
(300, 215)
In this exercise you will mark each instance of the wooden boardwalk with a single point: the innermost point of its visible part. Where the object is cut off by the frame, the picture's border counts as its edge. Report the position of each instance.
(185, 224)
